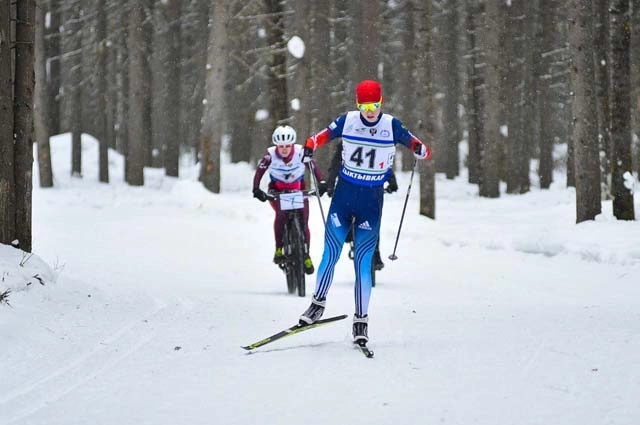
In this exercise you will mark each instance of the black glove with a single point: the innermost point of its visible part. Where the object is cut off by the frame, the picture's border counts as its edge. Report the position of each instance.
(258, 193)
(307, 154)
(420, 151)
(331, 187)
(392, 186)
(322, 187)
(330, 191)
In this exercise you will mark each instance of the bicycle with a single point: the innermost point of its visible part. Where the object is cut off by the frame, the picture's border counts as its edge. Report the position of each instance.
(294, 247)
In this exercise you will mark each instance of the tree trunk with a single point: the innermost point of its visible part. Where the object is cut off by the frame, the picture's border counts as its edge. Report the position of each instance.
(451, 91)
(474, 82)
(530, 117)
(160, 87)
(277, 64)
(424, 106)
(343, 88)
(515, 89)
(585, 131)
(545, 154)
(53, 50)
(172, 138)
(41, 101)
(194, 23)
(23, 121)
(101, 92)
(113, 79)
(147, 92)
(241, 96)
(75, 32)
(7, 178)
(491, 148)
(404, 103)
(319, 99)
(621, 166)
(213, 119)
(635, 83)
(122, 86)
(365, 34)
(299, 67)
(135, 148)
(602, 49)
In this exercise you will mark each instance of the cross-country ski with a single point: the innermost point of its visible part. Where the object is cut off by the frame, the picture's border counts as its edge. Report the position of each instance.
(295, 329)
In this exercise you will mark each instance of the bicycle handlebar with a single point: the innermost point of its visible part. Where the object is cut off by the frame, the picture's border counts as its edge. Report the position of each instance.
(274, 196)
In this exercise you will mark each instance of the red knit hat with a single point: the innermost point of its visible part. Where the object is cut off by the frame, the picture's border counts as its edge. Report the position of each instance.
(368, 91)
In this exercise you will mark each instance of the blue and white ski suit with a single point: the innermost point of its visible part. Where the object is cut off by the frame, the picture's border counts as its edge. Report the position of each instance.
(368, 150)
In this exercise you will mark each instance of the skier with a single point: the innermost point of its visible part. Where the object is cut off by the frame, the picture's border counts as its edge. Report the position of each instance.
(332, 175)
(286, 170)
(369, 138)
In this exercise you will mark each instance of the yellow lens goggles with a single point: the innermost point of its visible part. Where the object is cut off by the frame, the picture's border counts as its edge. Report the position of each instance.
(369, 107)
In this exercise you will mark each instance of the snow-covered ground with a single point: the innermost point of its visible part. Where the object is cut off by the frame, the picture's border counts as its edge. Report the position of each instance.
(500, 312)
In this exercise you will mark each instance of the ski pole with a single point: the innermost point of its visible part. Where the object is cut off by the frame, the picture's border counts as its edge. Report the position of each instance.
(315, 183)
(393, 256)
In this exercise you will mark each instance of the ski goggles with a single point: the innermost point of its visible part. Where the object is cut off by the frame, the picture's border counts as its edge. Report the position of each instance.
(369, 106)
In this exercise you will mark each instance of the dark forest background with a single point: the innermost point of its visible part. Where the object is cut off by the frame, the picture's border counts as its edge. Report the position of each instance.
(503, 82)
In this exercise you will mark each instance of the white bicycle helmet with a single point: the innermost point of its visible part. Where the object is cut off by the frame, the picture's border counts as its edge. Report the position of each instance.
(283, 135)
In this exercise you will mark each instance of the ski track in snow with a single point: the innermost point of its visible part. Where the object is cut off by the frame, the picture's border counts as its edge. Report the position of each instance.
(87, 365)
(500, 312)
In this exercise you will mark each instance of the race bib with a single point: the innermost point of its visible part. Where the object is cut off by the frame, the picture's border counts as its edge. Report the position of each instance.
(291, 201)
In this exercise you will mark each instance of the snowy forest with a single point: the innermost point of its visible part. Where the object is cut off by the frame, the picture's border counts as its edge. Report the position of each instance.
(135, 263)
(493, 86)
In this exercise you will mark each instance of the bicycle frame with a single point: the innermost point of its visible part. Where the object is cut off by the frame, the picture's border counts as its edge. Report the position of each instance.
(294, 247)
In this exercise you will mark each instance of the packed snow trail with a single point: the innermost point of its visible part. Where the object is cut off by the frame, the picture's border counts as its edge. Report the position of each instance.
(499, 312)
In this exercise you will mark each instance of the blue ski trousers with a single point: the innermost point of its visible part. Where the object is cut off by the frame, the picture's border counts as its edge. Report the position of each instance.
(362, 206)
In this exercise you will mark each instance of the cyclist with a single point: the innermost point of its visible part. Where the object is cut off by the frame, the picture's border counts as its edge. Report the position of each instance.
(332, 176)
(369, 139)
(286, 170)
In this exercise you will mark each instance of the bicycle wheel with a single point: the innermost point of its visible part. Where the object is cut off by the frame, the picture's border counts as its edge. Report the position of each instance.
(286, 250)
(298, 254)
(373, 274)
(294, 253)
